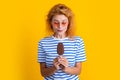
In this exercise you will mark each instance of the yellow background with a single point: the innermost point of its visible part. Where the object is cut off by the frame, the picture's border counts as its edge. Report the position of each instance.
(22, 25)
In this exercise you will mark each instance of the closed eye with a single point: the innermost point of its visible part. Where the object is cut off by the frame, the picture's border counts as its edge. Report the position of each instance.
(64, 23)
(55, 22)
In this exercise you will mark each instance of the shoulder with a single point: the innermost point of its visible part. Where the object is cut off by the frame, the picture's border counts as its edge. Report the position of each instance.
(78, 38)
(45, 39)
(79, 41)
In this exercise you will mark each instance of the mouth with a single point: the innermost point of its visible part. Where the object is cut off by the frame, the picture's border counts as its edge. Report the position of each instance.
(59, 30)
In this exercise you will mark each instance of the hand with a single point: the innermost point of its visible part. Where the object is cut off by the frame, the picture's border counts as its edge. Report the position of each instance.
(63, 62)
(56, 63)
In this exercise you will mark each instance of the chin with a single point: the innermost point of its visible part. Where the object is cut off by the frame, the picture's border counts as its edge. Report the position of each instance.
(61, 33)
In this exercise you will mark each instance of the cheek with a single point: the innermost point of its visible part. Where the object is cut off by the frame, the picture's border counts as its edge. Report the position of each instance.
(54, 27)
(55, 24)
(65, 25)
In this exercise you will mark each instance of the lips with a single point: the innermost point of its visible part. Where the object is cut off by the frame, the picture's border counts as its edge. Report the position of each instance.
(59, 30)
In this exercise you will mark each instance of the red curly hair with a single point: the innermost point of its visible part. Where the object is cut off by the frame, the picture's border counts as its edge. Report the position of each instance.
(58, 10)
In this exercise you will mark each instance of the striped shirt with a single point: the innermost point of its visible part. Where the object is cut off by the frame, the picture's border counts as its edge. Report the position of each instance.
(73, 50)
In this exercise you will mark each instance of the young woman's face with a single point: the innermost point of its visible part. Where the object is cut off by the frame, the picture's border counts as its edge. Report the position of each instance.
(60, 24)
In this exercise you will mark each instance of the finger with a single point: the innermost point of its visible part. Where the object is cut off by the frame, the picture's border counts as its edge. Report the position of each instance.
(64, 63)
(57, 63)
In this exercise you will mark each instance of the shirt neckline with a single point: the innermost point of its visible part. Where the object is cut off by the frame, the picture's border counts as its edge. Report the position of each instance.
(59, 39)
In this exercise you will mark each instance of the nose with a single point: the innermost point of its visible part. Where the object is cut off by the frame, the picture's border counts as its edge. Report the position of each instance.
(60, 25)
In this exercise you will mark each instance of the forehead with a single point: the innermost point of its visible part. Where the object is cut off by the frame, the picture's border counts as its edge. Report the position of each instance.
(59, 18)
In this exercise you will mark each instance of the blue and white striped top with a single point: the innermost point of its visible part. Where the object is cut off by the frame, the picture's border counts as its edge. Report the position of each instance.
(73, 50)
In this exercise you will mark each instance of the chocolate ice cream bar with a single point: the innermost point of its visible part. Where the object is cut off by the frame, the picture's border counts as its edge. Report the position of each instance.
(60, 51)
(60, 48)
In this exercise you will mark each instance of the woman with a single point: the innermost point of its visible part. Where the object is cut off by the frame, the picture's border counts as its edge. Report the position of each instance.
(60, 21)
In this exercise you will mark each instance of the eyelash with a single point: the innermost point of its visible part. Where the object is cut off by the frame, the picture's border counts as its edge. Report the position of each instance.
(58, 23)
(55, 22)
(63, 23)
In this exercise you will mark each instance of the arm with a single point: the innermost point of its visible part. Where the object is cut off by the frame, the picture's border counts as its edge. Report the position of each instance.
(74, 70)
(70, 70)
(47, 71)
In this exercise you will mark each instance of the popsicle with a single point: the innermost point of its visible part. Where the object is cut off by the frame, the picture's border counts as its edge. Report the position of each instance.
(60, 48)
(60, 51)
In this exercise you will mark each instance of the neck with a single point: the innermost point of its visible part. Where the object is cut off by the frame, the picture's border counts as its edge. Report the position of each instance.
(59, 36)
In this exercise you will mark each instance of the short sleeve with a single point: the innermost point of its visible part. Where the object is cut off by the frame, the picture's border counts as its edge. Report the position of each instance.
(80, 53)
(41, 53)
